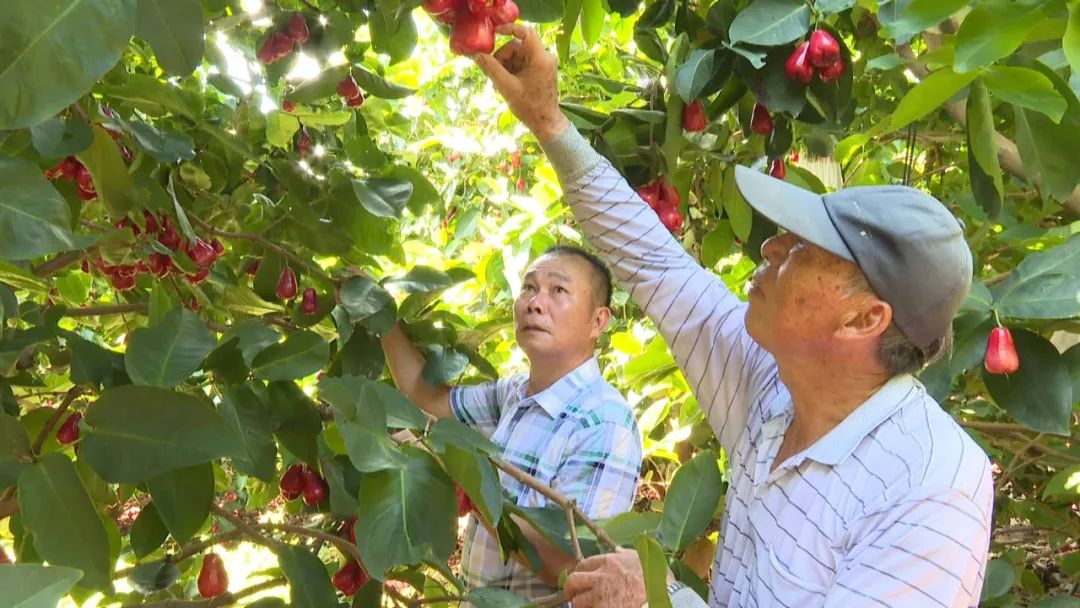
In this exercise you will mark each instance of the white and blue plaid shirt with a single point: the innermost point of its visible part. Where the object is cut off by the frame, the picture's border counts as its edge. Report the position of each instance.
(579, 436)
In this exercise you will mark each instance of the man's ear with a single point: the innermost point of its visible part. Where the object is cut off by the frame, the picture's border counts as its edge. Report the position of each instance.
(601, 319)
(869, 319)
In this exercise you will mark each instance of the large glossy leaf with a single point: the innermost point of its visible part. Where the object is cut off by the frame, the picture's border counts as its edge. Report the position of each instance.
(57, 138)
(361, 419)
(400, 412)
(301, 354)
(309, 584)
(1027, 88)
(691, 501)
(1039, 394)
(140, 432)
(383, 197)
(443, 365)
(148, 532)
(154, 576)
(168, 147)
(295, 420)
(378, 86)
(422, 279)
(245, 412)
(399, 525)
(34, 218)
(695, 73)
(155, 98)
(36, 585)
(983, 165)
(654, 567)
(993, 30)
(477, 476)
(999, 579)
(920, 15)
(14, 449)
(928, 95)
(770, 22)
(114, 185)
(94, 365)
(52, 52)
(1051, 152)
(1045, 285)
(167, 353)
(183, 497)
(1070, 42)
(361, 298)
(174, 29)
(67, 530)
(497, 597)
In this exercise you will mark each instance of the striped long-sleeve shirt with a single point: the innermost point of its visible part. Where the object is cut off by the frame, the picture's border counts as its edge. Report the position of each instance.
(891, 508)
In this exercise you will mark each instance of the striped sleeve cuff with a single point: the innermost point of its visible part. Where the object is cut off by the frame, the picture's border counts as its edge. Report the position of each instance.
(571, 155)
(687, 598)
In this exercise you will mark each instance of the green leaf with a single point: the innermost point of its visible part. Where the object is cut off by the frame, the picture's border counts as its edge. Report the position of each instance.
(344, 482)
(920, 15)
(1070, 42)
(320, 87)
(14, 449)
(295, 420)
(400, 412)
(94, 365)
(34, 218)
(154, 576)
(112, 181)
(717, 243)
(1039, 394)
(167, 353)
(377, 85)
(300, 355)
(654, 567)
(166, 146)
(250, 420)
(496, 597)
(831, 7)
(183, 497)
(1057, 601)
(148, 532)
(1049, 151)
(383, 197)
(451, 431)
(399, 525)
(36, 585)
(443, 365)
(57, 138)
(361, 420)
(695, 73)
(985, 170)
(477, 476)
(174, 29)
(993, 30)
(393, 32)
(361, 298)
(1045, 285)
(309, 584)
(736, 208)
(999, 579)
(928, 96)
(139, 432)
(54, 51)
(624, 528)
(571, 12)
(691, 501)
(280, 129)
(1063, 486)
(541, 11)
(770, 22)
(422, 279)
(67, 530)
(254, 337)
(155, 98)
(1026, 88)
(592, 20)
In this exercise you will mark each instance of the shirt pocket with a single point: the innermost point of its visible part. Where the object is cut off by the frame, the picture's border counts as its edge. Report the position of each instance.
(789, 589)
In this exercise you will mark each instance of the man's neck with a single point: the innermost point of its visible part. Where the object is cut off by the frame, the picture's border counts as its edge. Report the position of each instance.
(543, 373)
(824, 393)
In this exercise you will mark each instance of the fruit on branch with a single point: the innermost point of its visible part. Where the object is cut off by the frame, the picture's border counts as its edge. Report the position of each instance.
(199, 276)
(123, 282)
(650, 193)
(671, 218)
(348, 88)
(85, 184)
(213, 580)
(824, 50)
(472, 34)
(309, 303)
(66, 169)
(275, 48)
(832, 72)
(515, 158)
(218, 247)
(761, 122)
(507, 12)
(1001, 357)
(355, 102)
(303, 143)
(168, 236)
(520, 185)
(68, 433)
(202, 253)
(297, 31)
(438, 7)
(347, 530)
(464, 503)
(151, 222)
(286, 285)
(693, 118)
(288, 106)
(350, 578)
(315, 488)
(798, 67)
(252, 267)
(778, 168)
(291, 484)
(160, 264)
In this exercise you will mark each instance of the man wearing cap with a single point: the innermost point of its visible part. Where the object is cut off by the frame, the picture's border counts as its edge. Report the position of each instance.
(849, 485)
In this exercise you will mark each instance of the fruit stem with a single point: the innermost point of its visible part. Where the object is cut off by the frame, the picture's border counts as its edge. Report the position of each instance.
(349, 549)
(255, 535)
(72, 394)
(569, 508)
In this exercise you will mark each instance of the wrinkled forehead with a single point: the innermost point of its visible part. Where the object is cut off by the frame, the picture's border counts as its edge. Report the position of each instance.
(556, 266)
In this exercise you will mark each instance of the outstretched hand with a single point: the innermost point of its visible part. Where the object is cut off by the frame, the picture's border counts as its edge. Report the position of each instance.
(526, 75)
(611, 580)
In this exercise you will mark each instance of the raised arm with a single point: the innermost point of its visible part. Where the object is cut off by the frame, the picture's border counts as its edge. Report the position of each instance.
(406, 364)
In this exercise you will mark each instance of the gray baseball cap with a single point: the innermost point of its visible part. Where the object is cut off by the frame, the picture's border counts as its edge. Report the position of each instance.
(908, 244)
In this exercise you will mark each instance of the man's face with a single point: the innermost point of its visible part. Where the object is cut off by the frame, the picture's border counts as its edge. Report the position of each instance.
(556, 316)
(798, 297)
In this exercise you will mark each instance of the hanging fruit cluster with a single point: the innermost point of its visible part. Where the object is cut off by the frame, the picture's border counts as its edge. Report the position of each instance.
(282, 42)
(819, 55)
(350, 91)
(473, 22)
(664, 199)
(1001, 357)
(303, 480)
(694, 118)
(72, 170)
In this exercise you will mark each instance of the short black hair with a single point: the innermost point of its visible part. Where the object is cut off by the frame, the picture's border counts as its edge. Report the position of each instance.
(602, 281)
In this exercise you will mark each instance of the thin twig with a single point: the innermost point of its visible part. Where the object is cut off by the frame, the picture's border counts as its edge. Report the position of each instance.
(997, 428)
(72, 394)
(1014, 463)
(578, 556)
(255, 535)
(58, 263)
(112, 309)
(256, 238)
(343, 544)
(191, 548)
(221, 600)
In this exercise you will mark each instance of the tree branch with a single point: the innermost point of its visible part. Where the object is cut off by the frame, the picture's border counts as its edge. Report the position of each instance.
(247, 528)
(256, 238)
(578, 556)
(111, 309)
(58, 263)
(995, 428)
(221, 600)
(72, 394)
(349, 549)
(192, 548)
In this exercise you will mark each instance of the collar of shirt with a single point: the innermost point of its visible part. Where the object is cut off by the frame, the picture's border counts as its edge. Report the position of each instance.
(840, 442)
(555, 398)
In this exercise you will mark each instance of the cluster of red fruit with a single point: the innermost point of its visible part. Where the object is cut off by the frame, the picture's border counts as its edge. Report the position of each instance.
(350, 91)
(68, 433)
(303, 480)
(762, 123)
(473, 22)
(213, 580)
(693, 117)
(664, 199)
(71, 169)
(464, 503)
(281, 43)
(513, 165)
(202, 253)
(1001, 357)
(286, 288)
(820, 55)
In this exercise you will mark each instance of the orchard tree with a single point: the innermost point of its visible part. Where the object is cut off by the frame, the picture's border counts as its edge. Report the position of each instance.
(211, 209)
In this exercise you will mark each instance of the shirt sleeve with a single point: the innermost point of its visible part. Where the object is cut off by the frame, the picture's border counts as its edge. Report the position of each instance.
(929, 551)
(480, 405)
(602, 472)
(699, 318)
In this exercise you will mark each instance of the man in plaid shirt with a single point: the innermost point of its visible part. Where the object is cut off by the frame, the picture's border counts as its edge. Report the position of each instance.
(561, 423)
